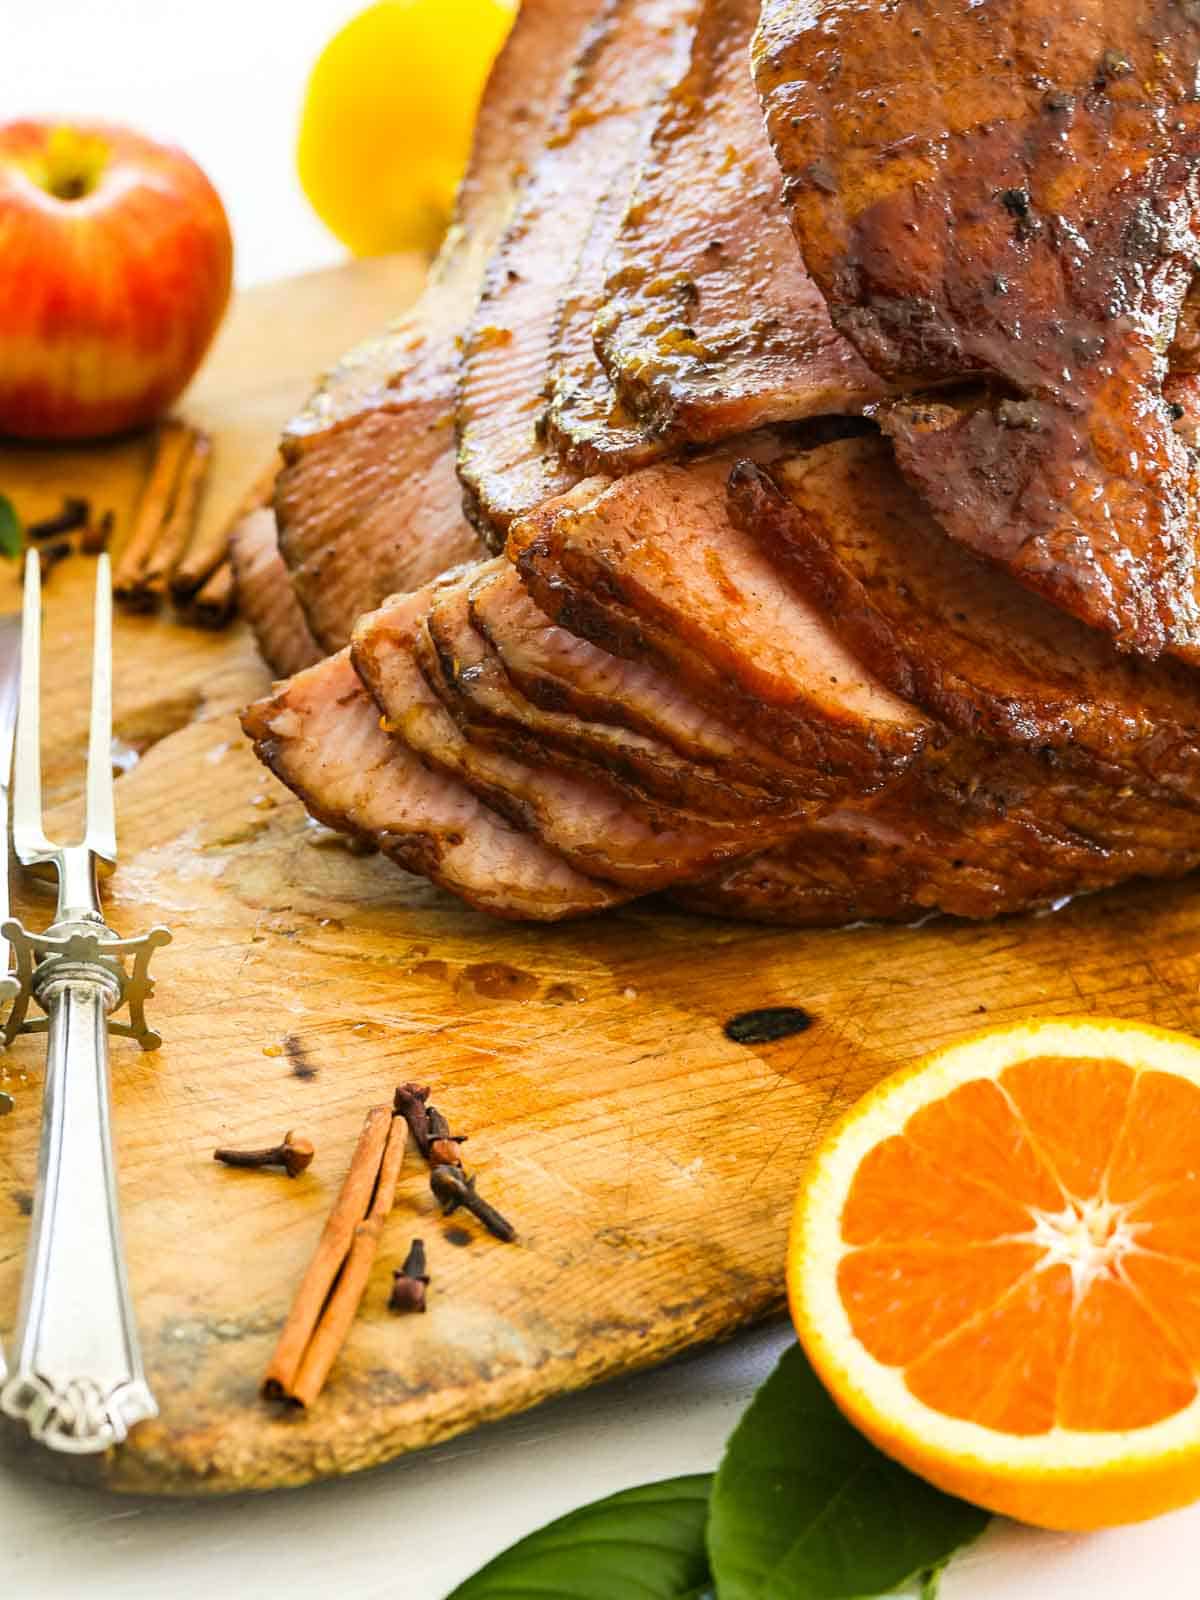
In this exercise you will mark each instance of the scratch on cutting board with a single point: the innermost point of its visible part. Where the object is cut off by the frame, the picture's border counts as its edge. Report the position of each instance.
(248, 951)
(629, 1164)
(833, 1098)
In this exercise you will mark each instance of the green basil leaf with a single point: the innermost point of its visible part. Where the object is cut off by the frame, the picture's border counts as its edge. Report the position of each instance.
(644, 1544)
(10, 528)
(804, 1506)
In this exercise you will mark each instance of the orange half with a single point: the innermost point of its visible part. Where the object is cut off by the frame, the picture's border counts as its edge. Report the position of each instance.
(994, 1266)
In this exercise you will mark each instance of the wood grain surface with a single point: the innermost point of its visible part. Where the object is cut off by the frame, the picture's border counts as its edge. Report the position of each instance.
(647, 1161)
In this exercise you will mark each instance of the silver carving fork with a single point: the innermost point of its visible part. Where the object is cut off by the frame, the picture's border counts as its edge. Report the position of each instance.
(10, 678)
(78, 1381)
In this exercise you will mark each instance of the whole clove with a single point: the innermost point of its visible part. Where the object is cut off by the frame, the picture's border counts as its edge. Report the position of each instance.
(294, 1154)
(49, 555)
(409, 1102)
(410, 1282)
(430, 1132)
(444, 1148)
(453, 1189)
(97, 536)
(74, 514)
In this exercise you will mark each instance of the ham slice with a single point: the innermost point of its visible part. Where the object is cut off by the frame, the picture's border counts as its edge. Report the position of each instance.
(657, 783)
(368, 502)
(961, 834)
(985, 195)
(711, 326)
(266, 598)
(492, 704)
(625, 66)
(652, 568)
(591, 825)
(951, 634)
(560, 672)
(320, 734)
(855, 867)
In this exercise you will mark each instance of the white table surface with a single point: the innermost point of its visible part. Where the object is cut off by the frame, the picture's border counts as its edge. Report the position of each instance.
(224, 78)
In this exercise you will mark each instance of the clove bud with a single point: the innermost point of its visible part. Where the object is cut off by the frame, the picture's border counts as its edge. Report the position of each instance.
(49, 555)
(430, 1132)
(74, 514)
(409, 1102)
(96, 536)
(452, 1189)
(294, 1153)
(443, 1145)
(410, 1282)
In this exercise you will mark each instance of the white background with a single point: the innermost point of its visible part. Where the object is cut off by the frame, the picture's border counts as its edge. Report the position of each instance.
(224, 78)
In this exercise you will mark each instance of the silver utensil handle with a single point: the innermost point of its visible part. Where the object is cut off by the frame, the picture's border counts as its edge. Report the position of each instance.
(78, 1381)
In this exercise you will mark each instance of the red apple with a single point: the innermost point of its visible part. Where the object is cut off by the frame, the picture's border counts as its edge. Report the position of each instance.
(115, 268)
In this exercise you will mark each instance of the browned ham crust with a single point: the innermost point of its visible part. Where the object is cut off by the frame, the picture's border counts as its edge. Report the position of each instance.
(625, 66)
(711, 325)
(1003, 192)
(368, 502)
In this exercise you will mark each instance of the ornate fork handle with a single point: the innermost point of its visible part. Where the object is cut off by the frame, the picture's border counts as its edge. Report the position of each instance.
(78, 1381)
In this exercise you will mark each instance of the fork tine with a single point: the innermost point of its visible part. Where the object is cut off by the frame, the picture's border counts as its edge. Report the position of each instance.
(101, 825)
(10, 685)
(29, 841)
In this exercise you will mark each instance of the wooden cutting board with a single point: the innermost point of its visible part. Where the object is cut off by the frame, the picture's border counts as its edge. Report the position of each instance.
(647, 1160)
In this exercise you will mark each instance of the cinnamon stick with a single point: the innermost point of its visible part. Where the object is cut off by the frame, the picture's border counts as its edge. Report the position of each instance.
(210, 547)
(173, 444)
(176, 533)
(347, 1294)
(334, 1246)
(215, 602)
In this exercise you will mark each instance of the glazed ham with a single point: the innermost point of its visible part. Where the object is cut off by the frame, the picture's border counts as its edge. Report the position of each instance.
(829, 400)
(627, 63)
(368, 502)
(320, 734)
(267, 599)
(711, 325)
(590, 823)
(981, 193)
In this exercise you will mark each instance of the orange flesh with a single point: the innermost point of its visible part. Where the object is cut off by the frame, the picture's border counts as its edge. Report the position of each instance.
(1027, 1250)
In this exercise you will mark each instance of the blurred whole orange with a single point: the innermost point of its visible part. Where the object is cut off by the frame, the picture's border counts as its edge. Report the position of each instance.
(115, 269)
(388, 117)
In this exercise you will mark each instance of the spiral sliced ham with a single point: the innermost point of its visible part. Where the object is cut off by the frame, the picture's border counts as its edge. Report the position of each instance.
(940, 658)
